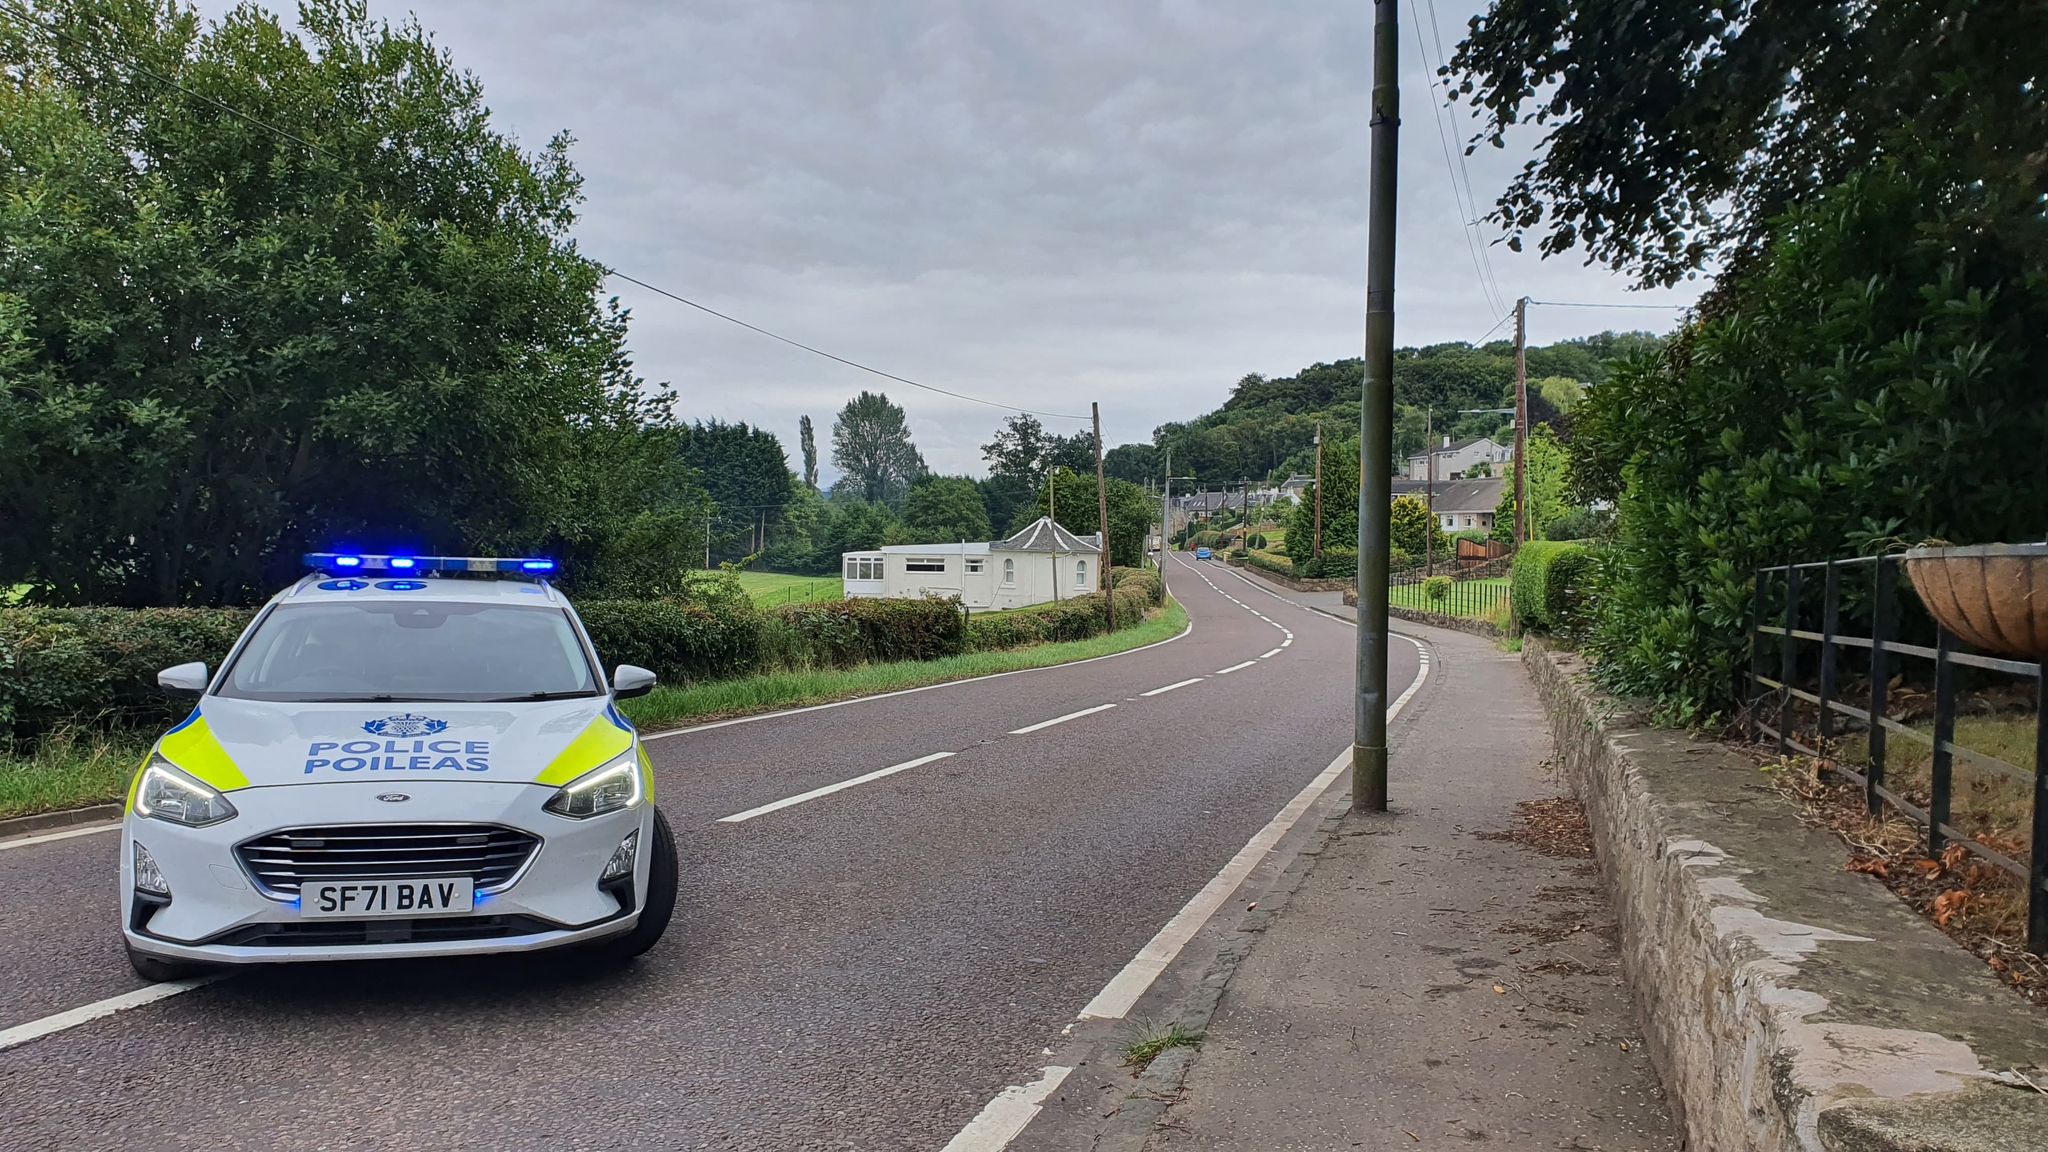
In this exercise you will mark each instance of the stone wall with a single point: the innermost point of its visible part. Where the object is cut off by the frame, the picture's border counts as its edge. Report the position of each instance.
(1789, 1004)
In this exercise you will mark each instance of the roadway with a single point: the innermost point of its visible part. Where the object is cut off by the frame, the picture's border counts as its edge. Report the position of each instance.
(865, 966)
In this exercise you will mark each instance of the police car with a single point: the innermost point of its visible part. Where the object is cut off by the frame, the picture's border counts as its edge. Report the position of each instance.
(401, 756)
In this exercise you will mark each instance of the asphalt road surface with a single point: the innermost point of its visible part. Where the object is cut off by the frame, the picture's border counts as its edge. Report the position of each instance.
(867, 968)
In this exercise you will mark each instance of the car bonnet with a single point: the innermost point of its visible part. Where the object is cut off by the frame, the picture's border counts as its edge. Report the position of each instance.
(231, 743)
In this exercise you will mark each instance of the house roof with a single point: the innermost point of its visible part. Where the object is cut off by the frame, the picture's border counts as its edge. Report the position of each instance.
(1459, 446)
(1481, 494)
(1043, 535)
(1478, 495)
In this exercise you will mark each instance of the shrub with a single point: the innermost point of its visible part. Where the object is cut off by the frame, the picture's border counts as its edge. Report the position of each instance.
(89, 664)
(1437, 588)
(1074, 619)
(841, 633)
(1270, 563)
(1578, 524)
(1545, 585)
(679, 641)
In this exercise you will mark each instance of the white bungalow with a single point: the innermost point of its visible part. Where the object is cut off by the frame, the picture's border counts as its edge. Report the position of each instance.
(1043, 562)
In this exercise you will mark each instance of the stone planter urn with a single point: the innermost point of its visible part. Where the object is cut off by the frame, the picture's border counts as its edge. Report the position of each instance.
(1993, 597)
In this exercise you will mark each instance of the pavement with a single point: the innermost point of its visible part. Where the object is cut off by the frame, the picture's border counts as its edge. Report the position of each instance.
(887, 966)
(1442, 976)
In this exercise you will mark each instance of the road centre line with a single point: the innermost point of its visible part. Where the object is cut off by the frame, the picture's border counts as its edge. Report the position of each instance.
(1235, 668)
(85, 1013)
(1122, 992)
(1176, 684)
(1042, 724)
(1002, 1118)
(829, 789)
(1269, 655)
(67, 834)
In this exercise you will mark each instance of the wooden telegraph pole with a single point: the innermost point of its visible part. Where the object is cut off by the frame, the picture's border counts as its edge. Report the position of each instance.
(1102, 518)
(1319, 490)
(1429, 491)
(1521, 421)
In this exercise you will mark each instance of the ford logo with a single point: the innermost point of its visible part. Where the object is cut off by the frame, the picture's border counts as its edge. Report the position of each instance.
(393, 797)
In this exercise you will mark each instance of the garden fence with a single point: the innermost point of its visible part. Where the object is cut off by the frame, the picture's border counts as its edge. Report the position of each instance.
(1871, 584)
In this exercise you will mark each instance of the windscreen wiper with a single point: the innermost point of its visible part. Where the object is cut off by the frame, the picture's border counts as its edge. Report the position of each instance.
(580, 693)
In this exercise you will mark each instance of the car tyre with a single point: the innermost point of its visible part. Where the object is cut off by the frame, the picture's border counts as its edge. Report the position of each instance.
(158, 970)
(660, 905)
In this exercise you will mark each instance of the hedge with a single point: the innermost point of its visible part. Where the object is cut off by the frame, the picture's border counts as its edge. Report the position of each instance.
(70, 665)
(1270, 563)
(1077, 618)
(98, 665)
(1550, 585)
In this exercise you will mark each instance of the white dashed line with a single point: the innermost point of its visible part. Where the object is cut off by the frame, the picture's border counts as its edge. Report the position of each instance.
(1004, 1117)
(1269, 655)
(1030, 728)
(67, 834)
(1235, 668)
(842, 786)
(1171, 687)
(86, 1013)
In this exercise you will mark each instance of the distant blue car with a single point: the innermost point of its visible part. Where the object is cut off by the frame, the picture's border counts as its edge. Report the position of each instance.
(1201, 553)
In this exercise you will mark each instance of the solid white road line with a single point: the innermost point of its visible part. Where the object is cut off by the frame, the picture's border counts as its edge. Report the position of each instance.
(1030, 728)
(67, 834)
(1269, 655)
(1122, 992)
(777, 715)
(1235, 667)
(37, 1029)
(829, 789)
(1171, 687)
(1006, 1115)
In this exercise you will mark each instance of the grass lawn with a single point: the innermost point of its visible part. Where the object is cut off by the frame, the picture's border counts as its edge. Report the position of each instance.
(768, 588)
(1471, 598)
(719, 699)
(69, 770)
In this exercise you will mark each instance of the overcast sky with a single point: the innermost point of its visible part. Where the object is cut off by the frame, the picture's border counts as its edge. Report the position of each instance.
(1041, 203)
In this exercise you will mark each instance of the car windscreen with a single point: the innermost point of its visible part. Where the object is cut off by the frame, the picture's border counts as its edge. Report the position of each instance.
(423, 651)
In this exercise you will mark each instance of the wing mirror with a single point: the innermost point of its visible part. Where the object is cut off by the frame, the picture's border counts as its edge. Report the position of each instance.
(629, 680)
(184, 678)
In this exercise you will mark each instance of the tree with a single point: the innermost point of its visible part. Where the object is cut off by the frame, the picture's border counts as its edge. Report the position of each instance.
(1677, 131)
(871, 445)
(809, 439)
(1137, 463)
(1018, 450)
(1411, 527)
(365, 325)
(1131, 512)
(1340, 505)
(1547, 483)
(747, 475)
(945, 509)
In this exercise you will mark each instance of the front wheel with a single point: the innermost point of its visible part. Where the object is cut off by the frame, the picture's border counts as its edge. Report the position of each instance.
(659, 906)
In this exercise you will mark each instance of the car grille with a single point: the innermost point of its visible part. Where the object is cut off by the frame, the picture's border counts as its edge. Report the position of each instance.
(341, 933)
(490, 855)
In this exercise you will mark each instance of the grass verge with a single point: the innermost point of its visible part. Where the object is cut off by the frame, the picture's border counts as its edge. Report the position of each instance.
(69, 768)
(721, 699)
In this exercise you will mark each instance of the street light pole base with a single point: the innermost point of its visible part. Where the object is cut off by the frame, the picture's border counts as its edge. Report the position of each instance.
(1368, 779)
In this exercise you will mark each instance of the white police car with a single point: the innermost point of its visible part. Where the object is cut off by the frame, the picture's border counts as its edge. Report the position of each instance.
(401, 756)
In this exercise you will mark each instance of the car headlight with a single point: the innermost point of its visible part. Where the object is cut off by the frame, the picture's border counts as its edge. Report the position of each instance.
(168, 794)
(609, 788)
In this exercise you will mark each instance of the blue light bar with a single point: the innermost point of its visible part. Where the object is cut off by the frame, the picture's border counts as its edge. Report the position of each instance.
(532, 567)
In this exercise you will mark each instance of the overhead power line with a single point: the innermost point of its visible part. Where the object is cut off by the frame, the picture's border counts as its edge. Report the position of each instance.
(1590, 304)
(1463, 201)
(30, 18)
(829, 356)
(1496, 327)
